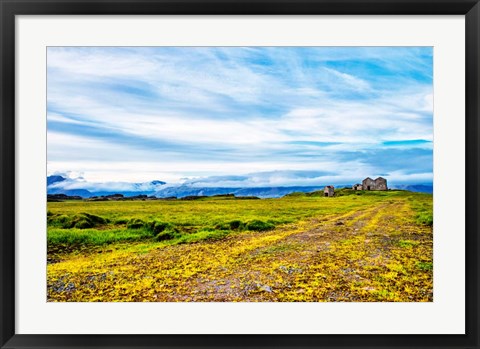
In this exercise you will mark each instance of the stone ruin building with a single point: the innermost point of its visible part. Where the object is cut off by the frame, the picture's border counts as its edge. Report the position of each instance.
(329, 190)
(372, 184)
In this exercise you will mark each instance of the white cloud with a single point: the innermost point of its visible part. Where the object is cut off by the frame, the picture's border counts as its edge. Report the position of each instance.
(90, 62)
(349, 81)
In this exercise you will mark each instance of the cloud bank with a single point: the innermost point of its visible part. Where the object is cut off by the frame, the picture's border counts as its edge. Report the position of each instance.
(248, 115)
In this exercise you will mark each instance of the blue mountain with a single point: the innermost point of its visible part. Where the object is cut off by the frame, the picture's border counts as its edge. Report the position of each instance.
(54, 179)
(61, 185)
(70, 192)
(421, 188)
(261, 192)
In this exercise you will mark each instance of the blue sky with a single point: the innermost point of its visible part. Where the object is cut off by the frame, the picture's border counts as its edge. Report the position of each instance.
(241, 116)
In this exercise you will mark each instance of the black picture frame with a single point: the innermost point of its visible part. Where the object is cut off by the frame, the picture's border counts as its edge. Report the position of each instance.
(10, 8)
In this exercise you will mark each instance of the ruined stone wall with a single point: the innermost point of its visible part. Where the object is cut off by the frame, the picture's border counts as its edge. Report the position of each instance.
(381, 184)
(368, 184)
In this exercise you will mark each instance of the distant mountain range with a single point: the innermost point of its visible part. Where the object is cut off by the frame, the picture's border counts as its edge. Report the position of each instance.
(74, 187)
(261, 192)
(421, 188)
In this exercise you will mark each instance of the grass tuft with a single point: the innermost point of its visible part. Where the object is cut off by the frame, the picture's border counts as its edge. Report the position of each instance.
(79, 221)
(169, 233)
(135, 223)
(258, 225)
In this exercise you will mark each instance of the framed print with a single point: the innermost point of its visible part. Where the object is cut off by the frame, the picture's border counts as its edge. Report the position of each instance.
(240, 174)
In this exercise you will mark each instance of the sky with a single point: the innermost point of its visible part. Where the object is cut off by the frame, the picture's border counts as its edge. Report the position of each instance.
(240, 116)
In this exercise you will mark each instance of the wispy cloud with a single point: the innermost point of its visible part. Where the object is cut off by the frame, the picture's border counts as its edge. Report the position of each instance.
(171, 113)
(348, 81)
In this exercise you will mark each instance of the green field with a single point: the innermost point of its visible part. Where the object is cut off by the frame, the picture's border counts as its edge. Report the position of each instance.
(357, 246)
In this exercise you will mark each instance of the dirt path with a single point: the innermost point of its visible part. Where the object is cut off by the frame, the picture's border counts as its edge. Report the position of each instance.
(378, 254)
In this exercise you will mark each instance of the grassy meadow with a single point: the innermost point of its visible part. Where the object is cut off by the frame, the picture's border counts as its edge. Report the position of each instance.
(356, 246)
